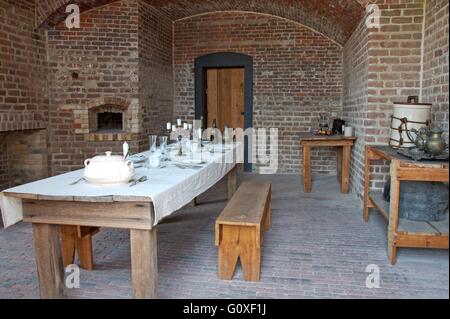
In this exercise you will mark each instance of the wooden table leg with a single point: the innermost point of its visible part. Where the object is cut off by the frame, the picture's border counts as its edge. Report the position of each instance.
(366, 185)
(393, 213)
(339, 163)
(144, 266)
(307, 169)
(232, 182)
(68, 244)
(49, 260)
(346, 160)
(85, 252)
(78, 239)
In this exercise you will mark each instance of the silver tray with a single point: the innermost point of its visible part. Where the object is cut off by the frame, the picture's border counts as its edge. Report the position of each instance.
(419, 155)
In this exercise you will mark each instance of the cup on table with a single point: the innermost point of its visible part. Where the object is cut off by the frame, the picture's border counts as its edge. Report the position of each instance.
(153, 139)
(163, 144)
(155, 160)
(348, 131)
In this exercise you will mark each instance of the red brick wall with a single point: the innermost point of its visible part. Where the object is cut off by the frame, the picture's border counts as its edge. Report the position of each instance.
(297, 74)
(435, 72)
(394, 63)
(4, 178)
(389, 69)
(104, 55)
(155, 71)
(23, 68)
(355, 106)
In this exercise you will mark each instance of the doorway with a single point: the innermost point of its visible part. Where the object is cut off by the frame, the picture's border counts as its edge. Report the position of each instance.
(225, 97)
(229, 68)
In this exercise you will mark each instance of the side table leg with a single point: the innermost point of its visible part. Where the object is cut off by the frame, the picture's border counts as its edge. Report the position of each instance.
(346, 159)
(307, 169)
(393, 213)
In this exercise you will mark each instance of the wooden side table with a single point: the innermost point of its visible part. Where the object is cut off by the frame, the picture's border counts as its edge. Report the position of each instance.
(343, 147)
(403, 232)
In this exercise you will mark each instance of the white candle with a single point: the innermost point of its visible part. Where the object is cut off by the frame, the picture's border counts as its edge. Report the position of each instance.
(185, 126)
(179, 122)
(199, 133)
(190, 126)
(169, 126)
(174, 128)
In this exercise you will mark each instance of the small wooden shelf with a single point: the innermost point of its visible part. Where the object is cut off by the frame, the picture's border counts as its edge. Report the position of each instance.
(403, 232)
(406, 225)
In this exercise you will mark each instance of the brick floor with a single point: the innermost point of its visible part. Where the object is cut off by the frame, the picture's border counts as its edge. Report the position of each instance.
(318, 247)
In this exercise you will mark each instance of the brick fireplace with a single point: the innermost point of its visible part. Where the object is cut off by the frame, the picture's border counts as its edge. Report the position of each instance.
(23, 157)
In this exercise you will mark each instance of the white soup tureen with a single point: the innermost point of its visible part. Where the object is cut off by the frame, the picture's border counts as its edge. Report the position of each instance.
(108, 170)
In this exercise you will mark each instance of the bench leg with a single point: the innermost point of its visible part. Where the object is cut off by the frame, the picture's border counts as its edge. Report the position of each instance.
(250, 253)
(228, 252)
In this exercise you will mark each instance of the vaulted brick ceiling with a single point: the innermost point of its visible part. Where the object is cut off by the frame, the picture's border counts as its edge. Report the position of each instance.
(336, 19)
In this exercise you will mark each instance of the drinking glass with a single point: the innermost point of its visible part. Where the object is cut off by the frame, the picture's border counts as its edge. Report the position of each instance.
(153, 139)
(163, 146)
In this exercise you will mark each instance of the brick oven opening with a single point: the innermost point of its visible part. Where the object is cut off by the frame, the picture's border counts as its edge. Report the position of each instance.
(107, 119)
(109, 122)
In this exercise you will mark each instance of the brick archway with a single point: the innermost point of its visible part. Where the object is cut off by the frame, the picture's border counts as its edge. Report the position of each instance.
(335, 19)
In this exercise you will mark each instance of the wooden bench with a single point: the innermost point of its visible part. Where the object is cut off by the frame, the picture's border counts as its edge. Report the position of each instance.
(240, 228)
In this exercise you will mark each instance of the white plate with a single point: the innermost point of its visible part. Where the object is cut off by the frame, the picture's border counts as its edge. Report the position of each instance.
(137, 158)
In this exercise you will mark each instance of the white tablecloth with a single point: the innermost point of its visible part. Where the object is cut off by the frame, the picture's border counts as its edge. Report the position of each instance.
(169, 188)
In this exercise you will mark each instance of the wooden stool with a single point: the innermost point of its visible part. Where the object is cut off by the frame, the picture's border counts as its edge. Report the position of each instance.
(240, 227)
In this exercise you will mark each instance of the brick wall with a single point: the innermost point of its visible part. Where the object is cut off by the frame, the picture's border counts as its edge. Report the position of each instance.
(23, 157)
(155, 71)
(394, 63)
(435, 60)
(4, 178)
(23, 68)
(389, 65)
(94, 65)
(355, 105)
(297, 74)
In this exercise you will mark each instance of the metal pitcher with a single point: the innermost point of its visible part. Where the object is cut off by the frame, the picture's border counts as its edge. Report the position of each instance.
(436, 143)
(421, 138)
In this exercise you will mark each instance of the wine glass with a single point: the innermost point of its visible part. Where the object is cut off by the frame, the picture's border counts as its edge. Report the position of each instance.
(153, 139)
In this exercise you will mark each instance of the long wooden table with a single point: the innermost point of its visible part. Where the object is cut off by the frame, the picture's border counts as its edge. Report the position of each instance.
(403, 232)
(49, 214)
(343, 146)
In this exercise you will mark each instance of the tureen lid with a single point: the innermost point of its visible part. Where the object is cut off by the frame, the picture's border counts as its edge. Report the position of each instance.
(107, 158)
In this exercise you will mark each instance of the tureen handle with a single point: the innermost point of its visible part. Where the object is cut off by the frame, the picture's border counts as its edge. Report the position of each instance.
(130, 164)
(86, 162)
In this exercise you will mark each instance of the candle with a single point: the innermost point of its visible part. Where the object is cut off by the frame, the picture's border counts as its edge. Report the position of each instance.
(190, 126)
(185, 126)
(199, 133)
(169, 126)
(179, 122)
(174, 128)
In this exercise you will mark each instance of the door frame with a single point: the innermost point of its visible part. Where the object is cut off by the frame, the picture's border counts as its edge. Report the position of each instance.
(226, 60)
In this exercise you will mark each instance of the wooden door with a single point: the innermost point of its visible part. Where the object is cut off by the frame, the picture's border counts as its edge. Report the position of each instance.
(225, 97)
